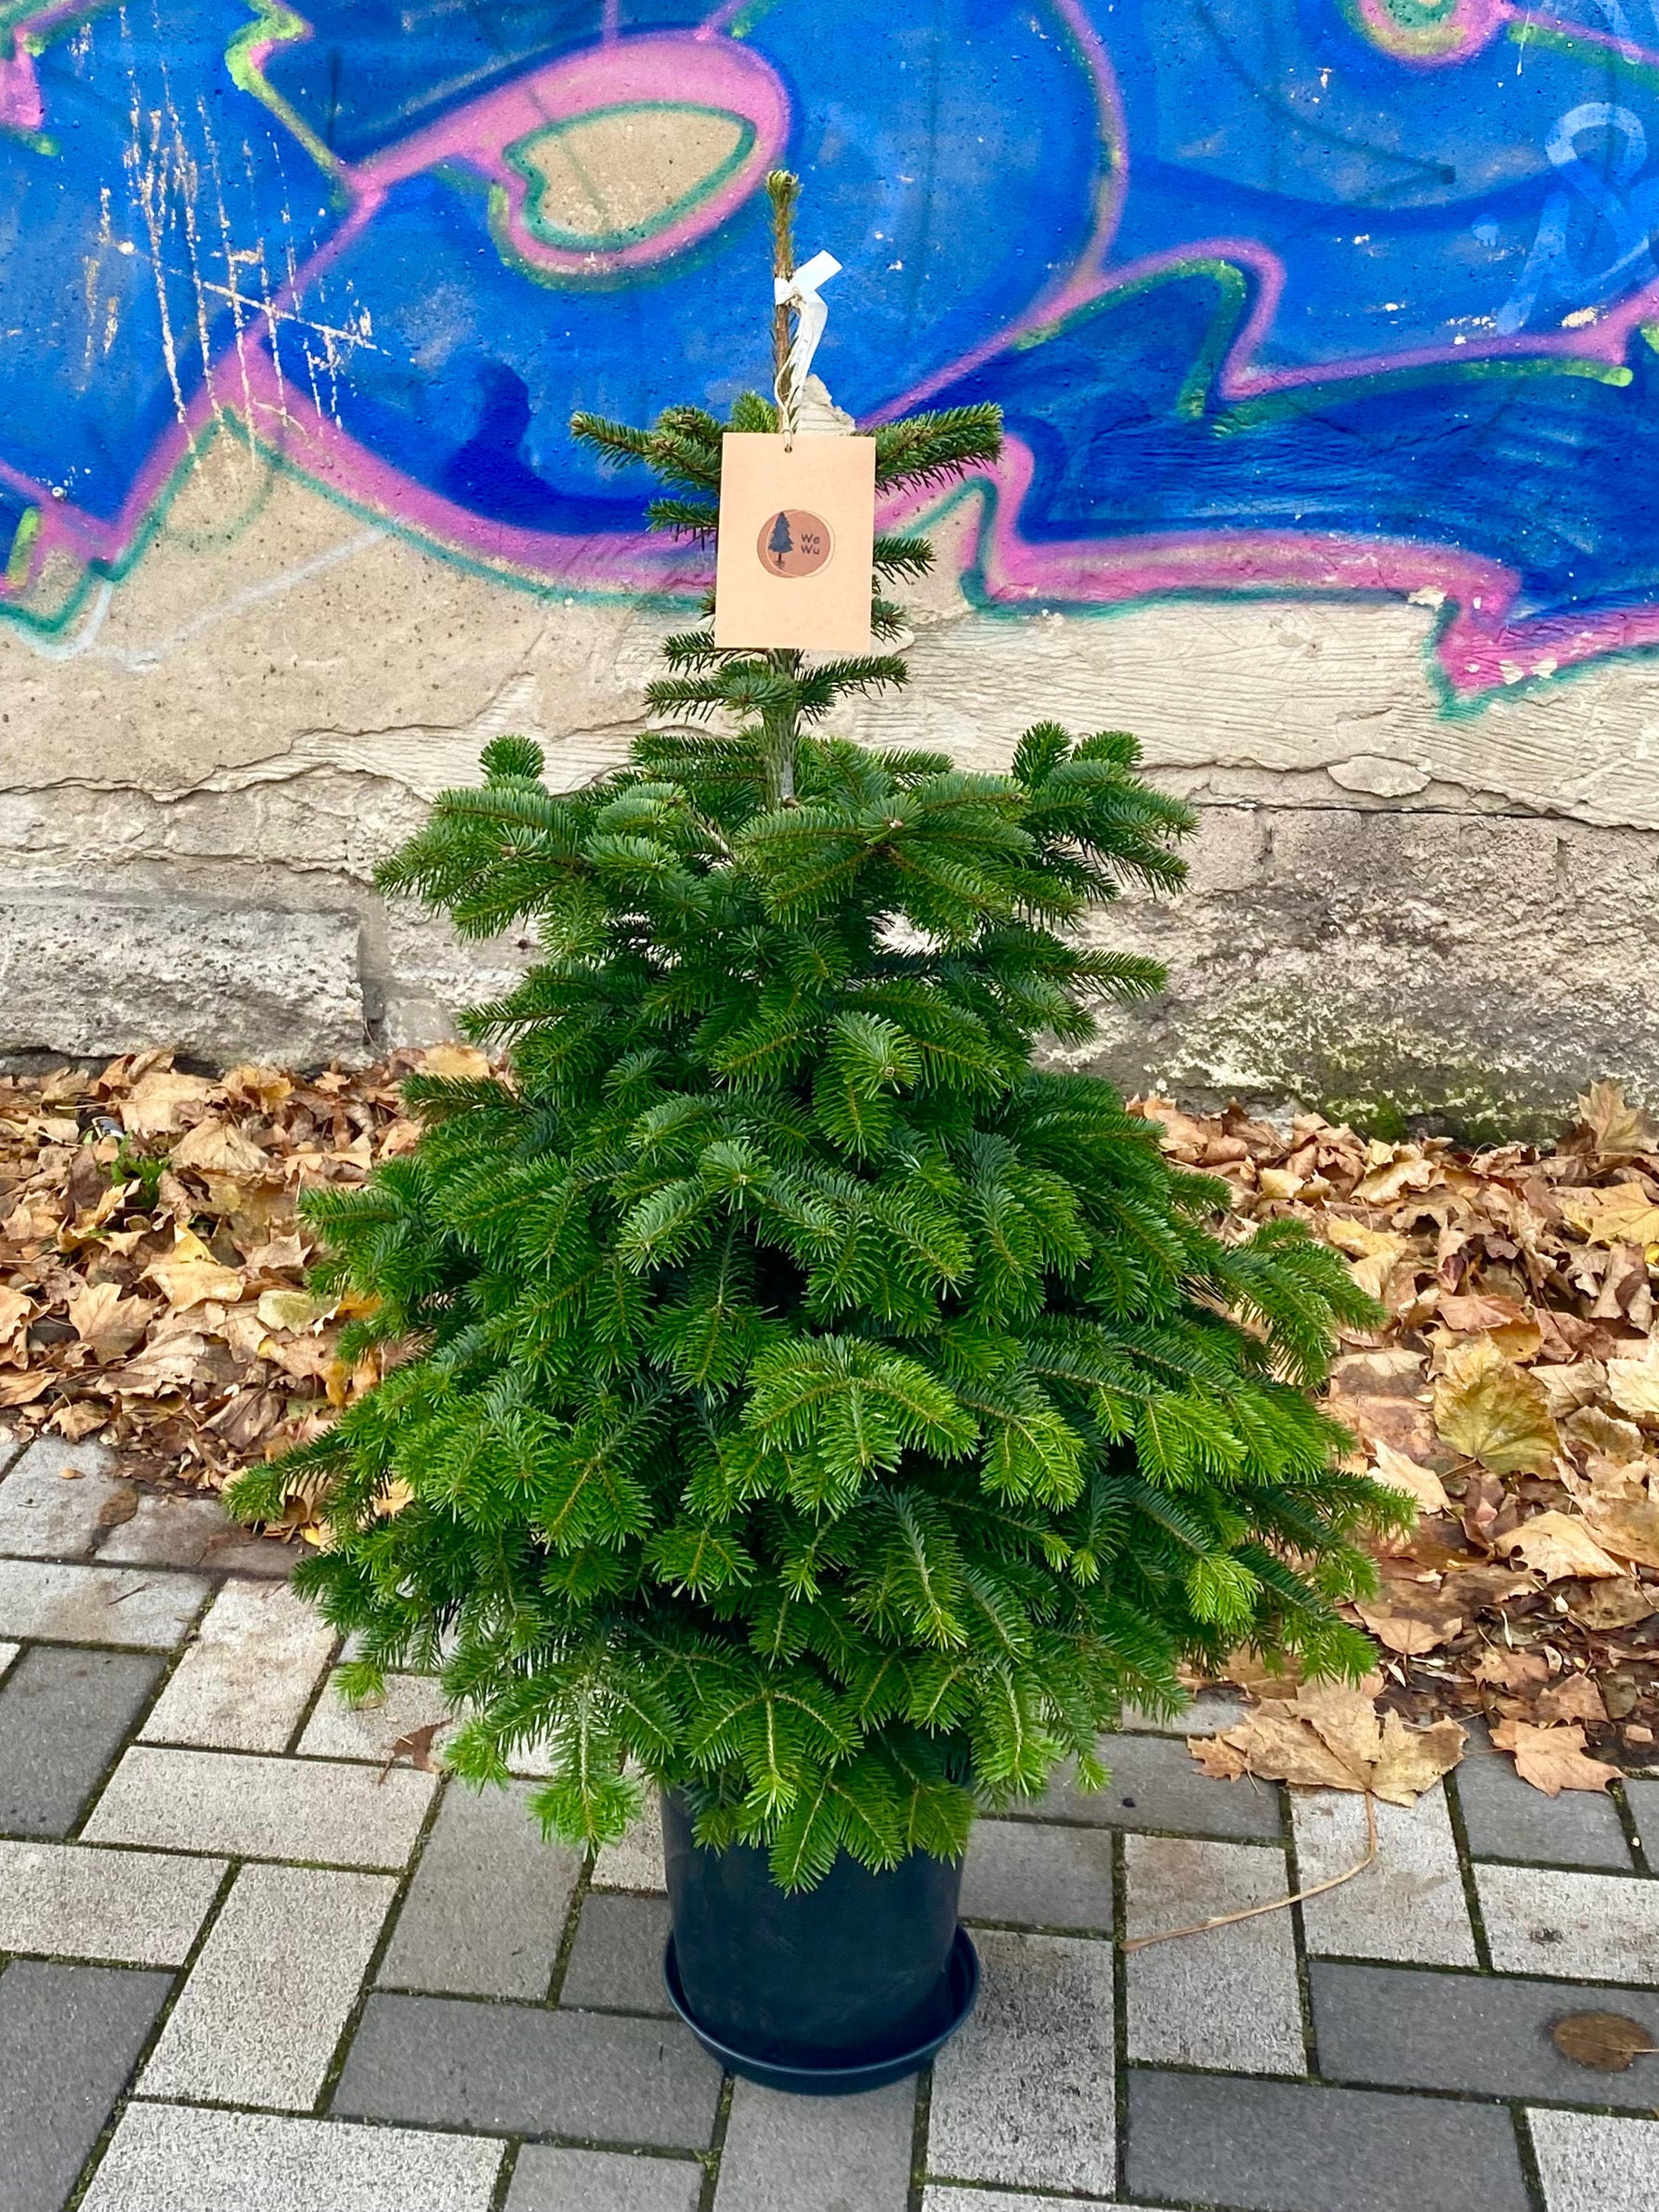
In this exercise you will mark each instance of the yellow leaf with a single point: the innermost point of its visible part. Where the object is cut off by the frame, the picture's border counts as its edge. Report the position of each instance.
(393, 1499)
(453, 1060)
(1492, 1411)
(1277, 1182)
(1623, 1213)
(289, 1309)
(1398, 1473)
(189, 1273)
(1556, 1545)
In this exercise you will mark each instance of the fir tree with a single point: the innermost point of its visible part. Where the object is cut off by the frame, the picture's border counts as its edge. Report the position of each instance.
(808, 1402)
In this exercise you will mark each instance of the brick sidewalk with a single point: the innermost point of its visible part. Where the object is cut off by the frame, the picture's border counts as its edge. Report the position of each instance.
(243, 1972)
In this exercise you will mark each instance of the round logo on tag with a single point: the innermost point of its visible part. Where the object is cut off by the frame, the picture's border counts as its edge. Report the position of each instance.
(793, 542)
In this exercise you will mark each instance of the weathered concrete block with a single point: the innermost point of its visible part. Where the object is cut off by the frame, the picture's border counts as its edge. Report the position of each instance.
(1472, 969)
(85, 975)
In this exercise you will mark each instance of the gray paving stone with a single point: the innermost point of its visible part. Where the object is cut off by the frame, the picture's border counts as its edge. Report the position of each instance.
(268, 1999)
(616, 1961)
(1155, 1784)
(179, 2158)
(69, 2038)
(1210, 1712)
(245, 1681)
(10, 1445)
(8, 1652)
(519, 2070)
(546, 2179)
(1038, 1875)
(75, 1605)
(1592, 2165)
(1024, 2094)
(1589, 1927)
(45, 1516)
(636, 1862)
(1275, 2146)
(144, 1907)
(1410, 1902)
(1228, 1998)
(64, 1715)
(946, 2199)
(486, 1910)
(165, 1531)
(339, 1731)
(817, 2153)
(256, 1808)
(1484, 2034)
(1507, 1818)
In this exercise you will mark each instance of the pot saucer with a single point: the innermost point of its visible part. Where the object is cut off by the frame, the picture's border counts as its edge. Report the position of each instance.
(962, 1983)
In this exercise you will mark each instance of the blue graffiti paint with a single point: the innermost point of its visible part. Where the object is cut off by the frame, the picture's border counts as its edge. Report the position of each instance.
(1233, 267)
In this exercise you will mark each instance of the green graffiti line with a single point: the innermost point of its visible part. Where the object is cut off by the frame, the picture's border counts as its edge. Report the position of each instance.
(22, 546)
(275, 25)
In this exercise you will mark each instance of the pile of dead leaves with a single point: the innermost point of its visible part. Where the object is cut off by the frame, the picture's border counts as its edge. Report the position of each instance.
(152, 1295)
(1513, 1392)
(152, 1260)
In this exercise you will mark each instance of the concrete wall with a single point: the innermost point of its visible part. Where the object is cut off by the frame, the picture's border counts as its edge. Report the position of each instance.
(1334, 474)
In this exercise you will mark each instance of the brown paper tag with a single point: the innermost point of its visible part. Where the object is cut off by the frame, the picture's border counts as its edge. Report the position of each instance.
(797, 533)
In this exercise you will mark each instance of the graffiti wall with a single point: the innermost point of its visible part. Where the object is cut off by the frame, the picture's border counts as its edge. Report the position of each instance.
(1322, 304)
(1301, 295)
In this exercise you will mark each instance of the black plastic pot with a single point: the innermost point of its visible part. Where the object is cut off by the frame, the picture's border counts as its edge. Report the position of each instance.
(825, 1991)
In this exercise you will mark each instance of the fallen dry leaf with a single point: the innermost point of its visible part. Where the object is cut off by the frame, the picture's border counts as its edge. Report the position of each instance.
(1412, 1617)
(1555, 1546)
(1614, 1604)
(1624, 1521)
(463, 1060)
(416, 1747)
(107, 1321)
(163, 1101)
(1520, 1672)
(189, 1273)
(1576, 1698)
(1552, 1759)
(1634, 1385)
(1622, 1214)
(1490, 1410)
(1608, 2041)
(289, 1309)
(1618, 1129)
(1398, 1473)
(219, 1148)
(1332, 1737)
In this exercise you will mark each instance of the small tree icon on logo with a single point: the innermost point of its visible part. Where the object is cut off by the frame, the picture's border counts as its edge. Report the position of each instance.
(781, 542)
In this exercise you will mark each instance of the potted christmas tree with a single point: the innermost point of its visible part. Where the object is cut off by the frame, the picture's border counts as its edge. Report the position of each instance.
(797, 1401)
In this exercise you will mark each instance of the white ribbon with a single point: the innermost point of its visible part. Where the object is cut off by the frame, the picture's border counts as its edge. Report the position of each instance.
(801, 292)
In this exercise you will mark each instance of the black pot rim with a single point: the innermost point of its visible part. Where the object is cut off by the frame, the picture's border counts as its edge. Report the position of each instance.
(961, 1974)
